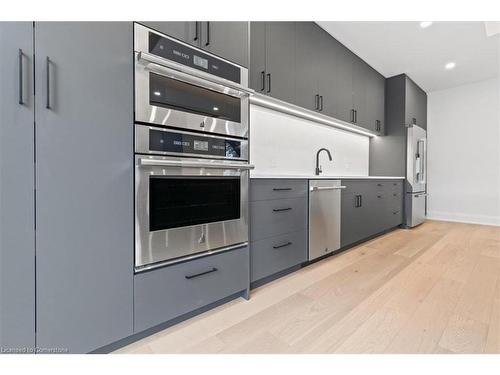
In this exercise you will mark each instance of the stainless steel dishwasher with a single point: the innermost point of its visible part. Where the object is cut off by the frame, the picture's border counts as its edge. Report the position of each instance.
(324, 217)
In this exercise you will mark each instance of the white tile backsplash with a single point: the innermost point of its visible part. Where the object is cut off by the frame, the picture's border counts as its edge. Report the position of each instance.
(287, 145)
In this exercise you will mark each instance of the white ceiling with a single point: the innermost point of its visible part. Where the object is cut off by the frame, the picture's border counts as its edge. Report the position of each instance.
(404, 47)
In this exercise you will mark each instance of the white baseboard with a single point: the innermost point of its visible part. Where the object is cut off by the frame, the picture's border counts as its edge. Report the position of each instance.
(464, 218)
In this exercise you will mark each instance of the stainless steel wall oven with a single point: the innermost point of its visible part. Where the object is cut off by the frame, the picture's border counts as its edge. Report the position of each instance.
(191, 152)
(187, 207)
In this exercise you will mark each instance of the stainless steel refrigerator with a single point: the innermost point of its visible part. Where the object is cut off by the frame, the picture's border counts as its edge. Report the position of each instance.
(416, 176)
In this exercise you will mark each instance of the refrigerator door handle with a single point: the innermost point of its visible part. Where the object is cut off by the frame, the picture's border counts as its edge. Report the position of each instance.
(420, 161)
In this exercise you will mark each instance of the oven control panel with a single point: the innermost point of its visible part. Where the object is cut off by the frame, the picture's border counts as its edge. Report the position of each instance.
(183, 143)
(192, 57)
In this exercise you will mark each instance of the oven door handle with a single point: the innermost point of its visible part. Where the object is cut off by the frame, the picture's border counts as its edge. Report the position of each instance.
(194, 164)
(186, 74)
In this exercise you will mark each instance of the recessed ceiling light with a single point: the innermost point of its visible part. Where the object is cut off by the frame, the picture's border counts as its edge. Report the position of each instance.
(157, 93)
(450, 65)
(425, 24)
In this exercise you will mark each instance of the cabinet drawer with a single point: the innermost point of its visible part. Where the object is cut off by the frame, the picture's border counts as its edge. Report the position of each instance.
(166, 293)
(266, 189)
(276, 254)
(280, 216)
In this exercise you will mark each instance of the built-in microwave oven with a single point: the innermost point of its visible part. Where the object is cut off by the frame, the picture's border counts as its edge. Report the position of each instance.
(180, 86)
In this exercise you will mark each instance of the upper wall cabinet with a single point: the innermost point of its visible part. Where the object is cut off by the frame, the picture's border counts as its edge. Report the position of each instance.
(301, 63)
(368, 97)
(307, 65)
(228, 40)
(188, 32)
(272, 59)
(415, 105)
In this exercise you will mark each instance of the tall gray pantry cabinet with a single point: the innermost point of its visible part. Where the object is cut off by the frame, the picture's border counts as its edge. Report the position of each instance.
(17, 200)
(83, 170)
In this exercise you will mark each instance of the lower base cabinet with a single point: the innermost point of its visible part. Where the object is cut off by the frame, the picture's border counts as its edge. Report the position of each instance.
(278, 226)
(272, 255)
(370, 207)
(166, 293)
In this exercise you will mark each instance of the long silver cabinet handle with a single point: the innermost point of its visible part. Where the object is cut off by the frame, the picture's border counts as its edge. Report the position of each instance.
(316, 188)
(195, 164)
(21, 79)
(47, 83)
(175, 70)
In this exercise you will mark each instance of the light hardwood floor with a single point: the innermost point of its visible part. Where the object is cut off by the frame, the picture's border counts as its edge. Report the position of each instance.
(432, 289)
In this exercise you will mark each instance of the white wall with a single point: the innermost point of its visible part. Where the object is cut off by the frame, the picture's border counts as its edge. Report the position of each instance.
(464, 153)
(287, 145)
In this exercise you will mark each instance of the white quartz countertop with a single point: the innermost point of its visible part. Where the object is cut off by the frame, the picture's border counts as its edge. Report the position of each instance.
(326, 177)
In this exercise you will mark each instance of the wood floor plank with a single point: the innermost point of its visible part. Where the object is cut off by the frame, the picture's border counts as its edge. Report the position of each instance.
(464, 335)
(432, 289)
(493, 339)
(423, 331)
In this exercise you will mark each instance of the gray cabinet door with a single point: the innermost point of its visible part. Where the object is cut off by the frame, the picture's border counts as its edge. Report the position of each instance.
(343, 71)
(228, 40)
(353, 212)
(360, 82)
(17, 233)
(280, 60)
(328, 79)
(189, 32)
(415, 105)
(167, 293)
(421, 111)
(275, 254)
(257, 73)
(375, 101)
(84, 181)
(307, 68)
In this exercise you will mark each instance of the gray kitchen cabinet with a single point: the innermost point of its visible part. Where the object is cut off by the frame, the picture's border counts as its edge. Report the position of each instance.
(405, 103)
(415, 104)
(170, 292)
(272, 189)
(354, 214)
(280, 60)
(369, 207)
(314, 63)
(188, 32)
(17, 204)
(272, 255)
(278, 226)
(360, 81)
(302, 64)
(343, 71)
(276, 77)
(307, 65)
(328, 79)
(257, 71)
(368, 97)
(375, 101)
(271, 218)
(226, 39)
(84, 184)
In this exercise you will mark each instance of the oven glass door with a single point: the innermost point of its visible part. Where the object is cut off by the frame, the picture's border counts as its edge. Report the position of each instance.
(184, 211)
(181, 201)
(171, 93)
(166, 98)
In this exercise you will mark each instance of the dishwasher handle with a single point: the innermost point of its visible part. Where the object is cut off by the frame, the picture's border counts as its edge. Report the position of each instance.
(317, 188)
